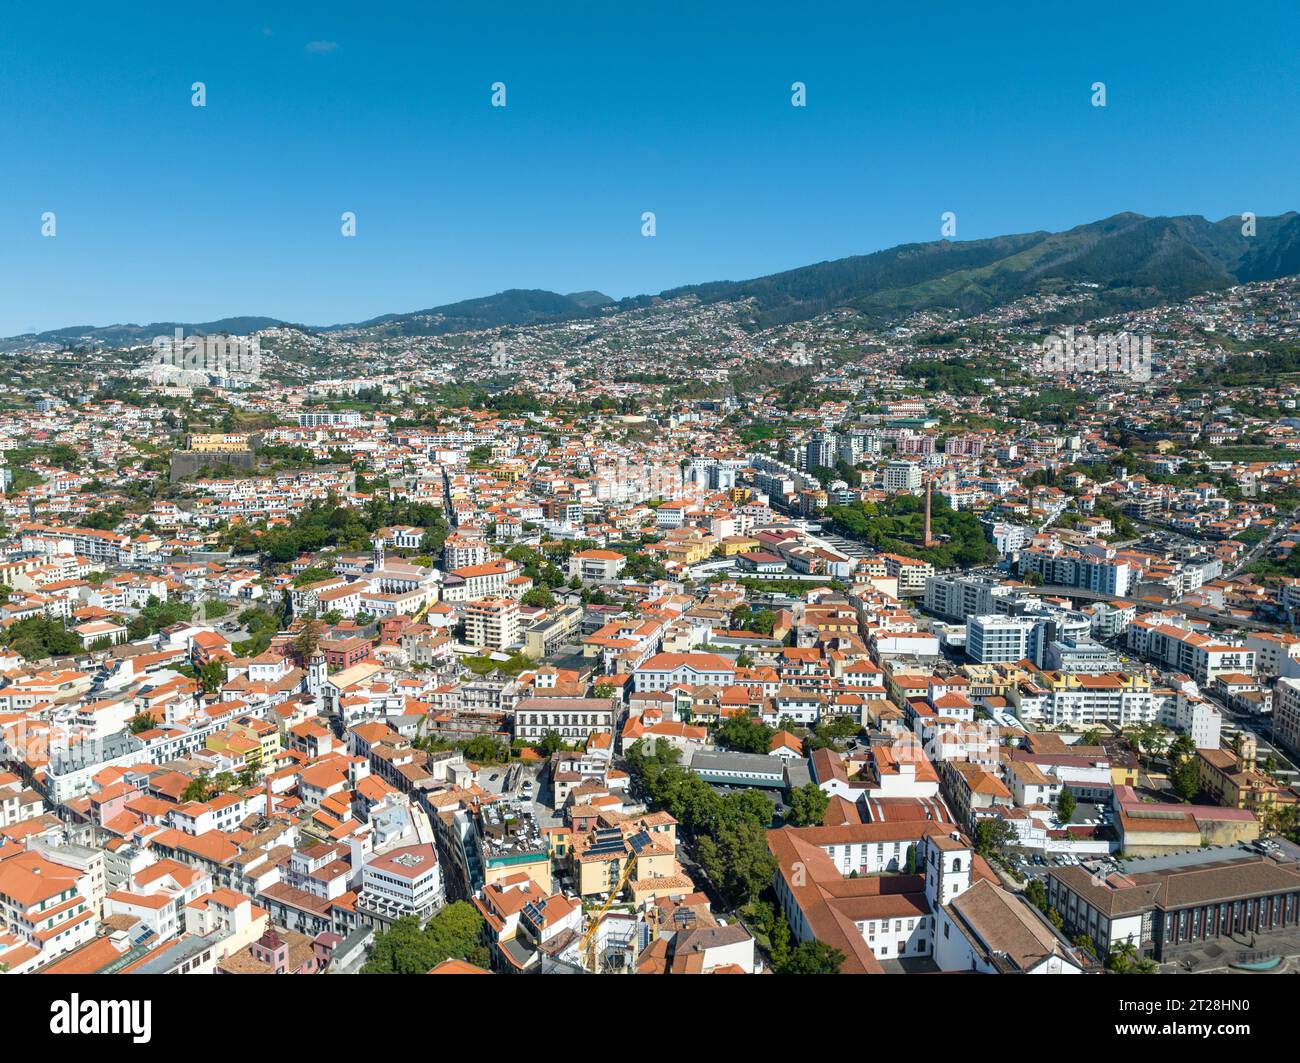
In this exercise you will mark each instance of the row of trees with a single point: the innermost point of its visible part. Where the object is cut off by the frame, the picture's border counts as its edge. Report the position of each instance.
(744, 733)
(455, 933)
(730, 831)
(807, 957)
(38, 637)
(898, 527)
(329, 524)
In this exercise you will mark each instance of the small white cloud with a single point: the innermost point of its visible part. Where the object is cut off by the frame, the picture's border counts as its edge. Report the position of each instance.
(321, 47)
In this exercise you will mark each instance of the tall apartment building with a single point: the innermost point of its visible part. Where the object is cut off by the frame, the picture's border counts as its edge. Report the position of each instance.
(821, 451)
(1028, 629)
(967, 446)
(326, 419)
(1008, 538)
(911, 572)
(46, 904)
(492, 623)
(1203, 657)
(463, 551)
(405, 881)
(1195, 716)
(993, 639)
(1086, 701)
(1286, 713)
(1070, 568)
(902, 476)
(957, 597)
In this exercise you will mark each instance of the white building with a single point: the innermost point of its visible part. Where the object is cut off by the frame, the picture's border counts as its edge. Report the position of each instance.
(401, 882)
(665, 670)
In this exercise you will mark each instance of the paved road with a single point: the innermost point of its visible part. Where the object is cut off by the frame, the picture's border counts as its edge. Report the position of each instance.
(1279, 527)
(1261, 727)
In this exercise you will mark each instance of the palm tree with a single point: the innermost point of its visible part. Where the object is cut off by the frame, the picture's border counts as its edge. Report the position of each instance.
(1124, 959)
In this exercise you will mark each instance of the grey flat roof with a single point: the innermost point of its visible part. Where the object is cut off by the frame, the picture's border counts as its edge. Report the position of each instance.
(1191, 858)
(754, 762)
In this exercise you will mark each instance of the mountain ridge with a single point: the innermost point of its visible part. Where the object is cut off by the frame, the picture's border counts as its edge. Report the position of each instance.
(1133, 259)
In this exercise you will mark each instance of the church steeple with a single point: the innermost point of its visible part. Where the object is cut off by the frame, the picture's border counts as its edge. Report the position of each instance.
(947, 867)
(317, 674)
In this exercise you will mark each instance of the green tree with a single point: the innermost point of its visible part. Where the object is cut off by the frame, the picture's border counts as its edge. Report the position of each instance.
(1185, 779)
(812, 957)
(742, 732)
(457, 934)
(142, 721)
(38, 637)
(1151, 739)
(551, 743)
(484, 750)
(197, 789)
(402, 949)
(991, 835)
(780, 939)
(1285, 821)
(211, 676)
(1183, 747)
(808, 805)
(1124, 959)
(737, 860)
(307, 640)
(1065, 804)
(1036, 894)
(315, 574)
(539, 597)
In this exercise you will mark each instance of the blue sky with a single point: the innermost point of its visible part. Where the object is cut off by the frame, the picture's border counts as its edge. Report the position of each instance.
(170, 212)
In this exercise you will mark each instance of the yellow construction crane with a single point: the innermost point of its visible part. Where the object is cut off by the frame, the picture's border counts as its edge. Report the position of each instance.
(587, 946)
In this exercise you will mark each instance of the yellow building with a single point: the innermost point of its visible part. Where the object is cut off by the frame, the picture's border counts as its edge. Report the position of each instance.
(236, 745)
(598, 857)
(689, 551)
(266, 734)
(993, 680)
(215, 442)
(737, 544)
(536, 865)
(1234, 781)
